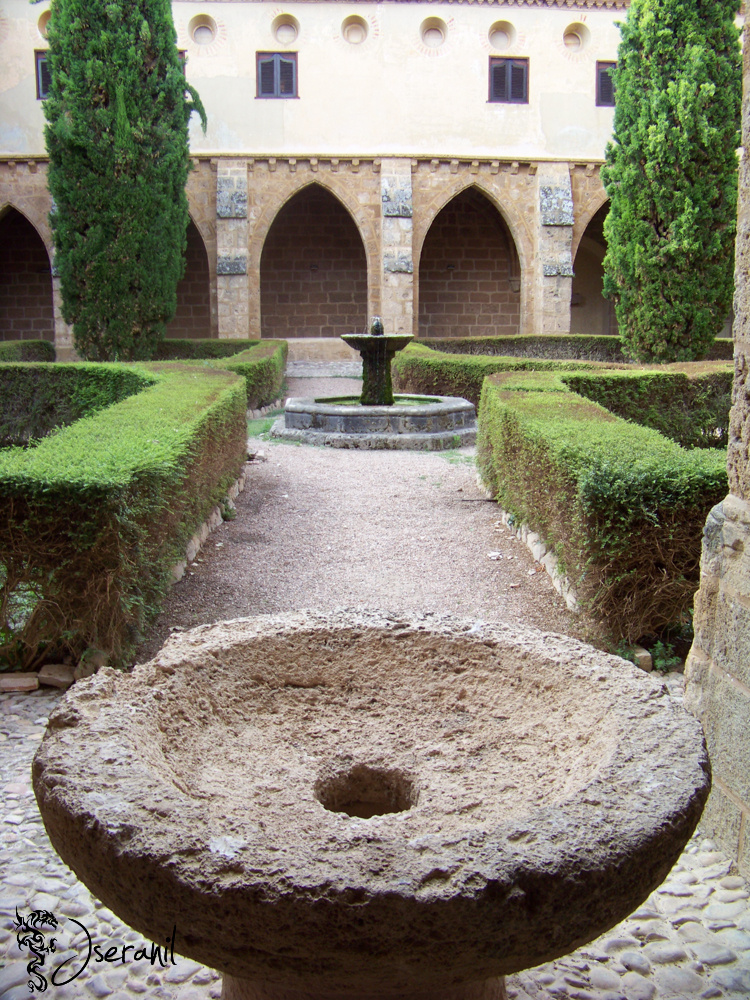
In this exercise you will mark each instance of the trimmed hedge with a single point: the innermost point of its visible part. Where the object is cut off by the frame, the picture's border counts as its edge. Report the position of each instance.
(35, 399)
(27, 350)
(623, 506)
(262, 368)
(176, 349)
(422, 370)
(93, 519)
(687, 403)
(566, 347)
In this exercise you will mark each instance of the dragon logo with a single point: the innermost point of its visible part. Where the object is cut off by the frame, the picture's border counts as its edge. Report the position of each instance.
(29, 934)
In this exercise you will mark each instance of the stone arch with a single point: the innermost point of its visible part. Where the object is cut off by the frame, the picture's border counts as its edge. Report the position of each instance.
(517, 225)
(192, 318)
(294, 185)
(592, 206)
(590, 312)
(313, 267)
(26, 294)
(469, 270)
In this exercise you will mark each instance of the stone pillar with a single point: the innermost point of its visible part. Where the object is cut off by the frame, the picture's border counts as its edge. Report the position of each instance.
(64, 350)
(717, 673)
(231, 250)
(397, 296)
(554, 262)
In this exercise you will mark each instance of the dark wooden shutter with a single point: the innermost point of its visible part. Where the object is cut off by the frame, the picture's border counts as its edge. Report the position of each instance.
(605, 86)
(43, 76)
(499, 81)
(266, 77)
(518, 81)
(286, 76)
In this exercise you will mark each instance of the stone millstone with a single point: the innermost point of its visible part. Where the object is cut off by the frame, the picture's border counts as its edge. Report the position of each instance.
(525, 792)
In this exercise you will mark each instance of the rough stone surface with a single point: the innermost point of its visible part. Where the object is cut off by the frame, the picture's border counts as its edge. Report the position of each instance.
(19, 682)
(525, 822)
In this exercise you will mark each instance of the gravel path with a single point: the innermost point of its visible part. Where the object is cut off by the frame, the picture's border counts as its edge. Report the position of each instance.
(327, 527)
(323, 528)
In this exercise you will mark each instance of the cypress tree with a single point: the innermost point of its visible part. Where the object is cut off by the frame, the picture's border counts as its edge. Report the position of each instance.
(671, 175)
(117, 138)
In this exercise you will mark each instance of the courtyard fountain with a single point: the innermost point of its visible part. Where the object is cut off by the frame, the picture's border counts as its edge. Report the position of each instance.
(363, 806)
(378, 419)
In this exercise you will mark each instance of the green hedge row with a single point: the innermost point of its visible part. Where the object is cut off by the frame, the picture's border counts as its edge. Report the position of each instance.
(262, 368)
(687, 403)
(27, 350)
(93, 518)
(622, 505)
(176, 349)
(420, 369)
(37, 398)
(568, 347)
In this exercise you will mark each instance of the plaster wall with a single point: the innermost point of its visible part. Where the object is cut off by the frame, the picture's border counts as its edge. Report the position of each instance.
(391, 93)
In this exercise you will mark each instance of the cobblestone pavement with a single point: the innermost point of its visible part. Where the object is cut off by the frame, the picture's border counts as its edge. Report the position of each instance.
(691, 938)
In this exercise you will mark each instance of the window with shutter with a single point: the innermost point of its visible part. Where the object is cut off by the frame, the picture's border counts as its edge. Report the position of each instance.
(277, 74)
(605, 84)
(509, 81)
(43, 76)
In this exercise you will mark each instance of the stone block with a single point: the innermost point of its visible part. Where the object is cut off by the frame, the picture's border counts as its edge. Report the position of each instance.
(178, 571)
(556, 205)
(231, 264)
(231, 197)
(396, 196)
(560, 265)
(58, 675)
(13, 682)
(400, 263)
(643, 659)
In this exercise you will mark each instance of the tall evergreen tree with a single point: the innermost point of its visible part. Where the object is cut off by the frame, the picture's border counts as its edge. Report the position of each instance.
(671, 175)
(117, 138)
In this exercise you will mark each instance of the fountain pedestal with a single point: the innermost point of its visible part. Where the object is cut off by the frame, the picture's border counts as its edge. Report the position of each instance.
(377, 350)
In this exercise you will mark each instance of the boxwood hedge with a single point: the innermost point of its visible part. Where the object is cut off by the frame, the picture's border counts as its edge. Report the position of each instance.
(177, 349)
(573, 346)
(94, 517)
(27, 350)
(622, 505)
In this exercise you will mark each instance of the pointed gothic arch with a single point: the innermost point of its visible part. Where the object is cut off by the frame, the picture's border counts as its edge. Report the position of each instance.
(590, 312)
(313, 269)
(192, 318)
(26, 304)
(469, 271)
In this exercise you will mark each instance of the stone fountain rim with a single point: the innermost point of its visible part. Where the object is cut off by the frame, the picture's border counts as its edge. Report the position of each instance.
(555, 856)
(442, 404)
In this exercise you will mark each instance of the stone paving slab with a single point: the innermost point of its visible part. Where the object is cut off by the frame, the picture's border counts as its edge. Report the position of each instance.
(691, 938)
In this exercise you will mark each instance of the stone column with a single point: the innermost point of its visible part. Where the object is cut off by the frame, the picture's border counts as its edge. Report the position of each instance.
(64, 350)
(554, 263)
(231, 250)
(717, 673)
(397, 296)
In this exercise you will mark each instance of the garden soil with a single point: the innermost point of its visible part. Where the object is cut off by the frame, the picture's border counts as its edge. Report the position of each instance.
(323, 528)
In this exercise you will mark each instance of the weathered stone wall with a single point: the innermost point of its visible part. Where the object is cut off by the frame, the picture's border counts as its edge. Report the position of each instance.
(26, 311)
(718, 668)
(469, 281)
(398, 209)
(313, 271)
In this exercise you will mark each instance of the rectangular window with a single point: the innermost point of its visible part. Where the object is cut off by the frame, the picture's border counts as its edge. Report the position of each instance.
(182, 56)
(277, 74)
(605, 84)
(509, 81)
(43, 78)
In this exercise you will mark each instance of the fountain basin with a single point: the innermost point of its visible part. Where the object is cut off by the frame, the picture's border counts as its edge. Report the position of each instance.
(361, 805)
(411, 423)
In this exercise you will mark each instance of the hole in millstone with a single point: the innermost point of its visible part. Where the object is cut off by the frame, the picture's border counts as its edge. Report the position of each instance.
(365, 792)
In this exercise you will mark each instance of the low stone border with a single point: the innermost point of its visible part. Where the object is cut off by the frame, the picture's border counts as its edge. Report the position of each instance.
(546, 557)
(277, 404)
(215, 518)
